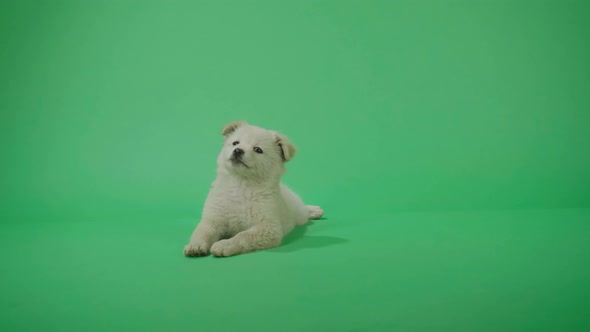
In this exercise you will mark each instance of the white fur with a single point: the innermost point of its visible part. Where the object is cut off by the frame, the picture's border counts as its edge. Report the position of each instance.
(248, 208)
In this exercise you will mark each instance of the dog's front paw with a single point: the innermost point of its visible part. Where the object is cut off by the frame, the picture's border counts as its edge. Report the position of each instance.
(224, 248)
(196, 249)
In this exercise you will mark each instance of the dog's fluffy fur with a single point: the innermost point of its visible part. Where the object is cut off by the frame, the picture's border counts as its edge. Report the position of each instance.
(248, 208)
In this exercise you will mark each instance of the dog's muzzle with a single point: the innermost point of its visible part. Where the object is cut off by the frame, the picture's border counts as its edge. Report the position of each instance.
(238, 153)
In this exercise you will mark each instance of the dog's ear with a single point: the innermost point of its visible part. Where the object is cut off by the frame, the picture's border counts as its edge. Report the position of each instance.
(231, 127)
(287, 149)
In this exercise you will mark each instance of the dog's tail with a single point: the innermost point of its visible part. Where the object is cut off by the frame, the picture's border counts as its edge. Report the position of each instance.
(315, 212)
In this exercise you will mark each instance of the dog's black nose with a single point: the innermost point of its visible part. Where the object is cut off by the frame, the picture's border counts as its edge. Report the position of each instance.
(238, 152)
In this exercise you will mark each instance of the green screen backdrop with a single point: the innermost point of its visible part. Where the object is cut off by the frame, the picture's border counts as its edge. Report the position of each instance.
(447, 141)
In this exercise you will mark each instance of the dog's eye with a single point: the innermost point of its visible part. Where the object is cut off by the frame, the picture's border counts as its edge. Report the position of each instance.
(258, 150)
(235, 143)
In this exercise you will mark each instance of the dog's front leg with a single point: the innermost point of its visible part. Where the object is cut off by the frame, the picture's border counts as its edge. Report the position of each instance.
(256, 238)
(201, 240)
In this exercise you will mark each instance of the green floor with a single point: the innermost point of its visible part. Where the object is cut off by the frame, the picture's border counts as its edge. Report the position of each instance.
(471, 271)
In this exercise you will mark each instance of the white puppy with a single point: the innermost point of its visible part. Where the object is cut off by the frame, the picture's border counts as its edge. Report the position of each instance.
(248, 208)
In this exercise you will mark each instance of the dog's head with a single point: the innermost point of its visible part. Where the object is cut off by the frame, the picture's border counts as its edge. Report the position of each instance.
(253, 152)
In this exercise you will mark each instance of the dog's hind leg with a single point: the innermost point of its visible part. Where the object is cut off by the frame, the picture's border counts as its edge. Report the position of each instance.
(315, 212)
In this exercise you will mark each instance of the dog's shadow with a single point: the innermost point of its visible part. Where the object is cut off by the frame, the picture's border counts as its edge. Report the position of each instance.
(297, 240)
